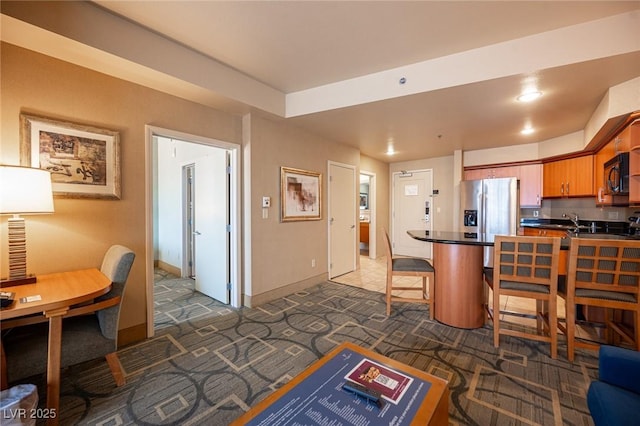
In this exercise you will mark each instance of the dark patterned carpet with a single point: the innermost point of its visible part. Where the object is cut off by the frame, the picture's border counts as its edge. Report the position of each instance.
(209, 363)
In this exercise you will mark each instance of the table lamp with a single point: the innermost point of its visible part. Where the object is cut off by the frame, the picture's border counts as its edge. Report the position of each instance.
(23, 190)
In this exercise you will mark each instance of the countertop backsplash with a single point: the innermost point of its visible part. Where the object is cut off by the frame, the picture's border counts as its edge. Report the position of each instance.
(585, 208)
(607, 219)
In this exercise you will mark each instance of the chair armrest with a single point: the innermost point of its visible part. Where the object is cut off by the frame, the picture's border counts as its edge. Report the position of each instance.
(620, 367)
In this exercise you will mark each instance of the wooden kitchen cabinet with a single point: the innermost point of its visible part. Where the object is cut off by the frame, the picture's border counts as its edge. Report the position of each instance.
(492, 172)
(552, 179)
(530, 185)
(542, 232)
(634, 163)
(478, 174)
(572, 177)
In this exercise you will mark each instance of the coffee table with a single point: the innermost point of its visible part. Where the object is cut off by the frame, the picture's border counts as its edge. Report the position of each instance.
(411, 396)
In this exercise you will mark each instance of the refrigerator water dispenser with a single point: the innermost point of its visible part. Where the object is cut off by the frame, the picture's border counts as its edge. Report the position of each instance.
(471, 218)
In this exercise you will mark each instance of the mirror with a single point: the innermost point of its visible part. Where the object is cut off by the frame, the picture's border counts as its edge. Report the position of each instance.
(364, 192)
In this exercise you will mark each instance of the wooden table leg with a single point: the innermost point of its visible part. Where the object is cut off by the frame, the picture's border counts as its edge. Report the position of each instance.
(53, 366)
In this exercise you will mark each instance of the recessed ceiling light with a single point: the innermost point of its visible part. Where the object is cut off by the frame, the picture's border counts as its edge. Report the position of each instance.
(390, 151)
(529, 96)
(527, 130)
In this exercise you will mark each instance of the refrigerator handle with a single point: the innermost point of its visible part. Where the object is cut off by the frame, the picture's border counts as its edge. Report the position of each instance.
(483, 220)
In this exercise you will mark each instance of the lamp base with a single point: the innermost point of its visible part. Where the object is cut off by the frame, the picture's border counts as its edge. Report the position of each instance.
(18, 281)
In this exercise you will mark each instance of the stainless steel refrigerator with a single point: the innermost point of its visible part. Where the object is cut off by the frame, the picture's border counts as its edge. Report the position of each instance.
(490, 206)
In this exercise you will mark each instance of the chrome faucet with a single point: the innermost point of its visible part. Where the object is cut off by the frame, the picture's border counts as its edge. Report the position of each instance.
(634, 227)
(575, 220)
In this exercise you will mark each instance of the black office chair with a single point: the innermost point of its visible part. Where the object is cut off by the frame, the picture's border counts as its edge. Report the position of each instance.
(88, 331)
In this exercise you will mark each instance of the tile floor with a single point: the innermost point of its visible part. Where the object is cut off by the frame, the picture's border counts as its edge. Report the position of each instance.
(372, 276)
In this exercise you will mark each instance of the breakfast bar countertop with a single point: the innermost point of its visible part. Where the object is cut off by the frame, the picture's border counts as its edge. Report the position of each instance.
(452, 237)
(487, 240)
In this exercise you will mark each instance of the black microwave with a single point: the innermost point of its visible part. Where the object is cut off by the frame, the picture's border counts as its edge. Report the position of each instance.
(616, 175)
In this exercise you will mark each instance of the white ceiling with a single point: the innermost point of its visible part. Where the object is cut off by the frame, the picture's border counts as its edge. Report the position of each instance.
(338, 64)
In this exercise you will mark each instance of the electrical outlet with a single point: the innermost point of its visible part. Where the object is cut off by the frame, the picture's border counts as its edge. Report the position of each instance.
(535, 213)
(313, 263)
(266, 202)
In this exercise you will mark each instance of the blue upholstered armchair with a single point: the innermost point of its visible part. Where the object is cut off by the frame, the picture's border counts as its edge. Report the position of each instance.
(614, 399)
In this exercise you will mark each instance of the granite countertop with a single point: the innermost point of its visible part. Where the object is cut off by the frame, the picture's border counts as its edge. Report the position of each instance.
(600, 226)
(451, 237)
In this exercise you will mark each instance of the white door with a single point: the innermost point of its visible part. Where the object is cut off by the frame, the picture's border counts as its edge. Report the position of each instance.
(411, 198)
(342, 219)
(210, 228)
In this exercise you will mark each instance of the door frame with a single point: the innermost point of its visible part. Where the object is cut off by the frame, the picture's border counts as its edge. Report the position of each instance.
(187, 230)
(235, 271)
(373, 228)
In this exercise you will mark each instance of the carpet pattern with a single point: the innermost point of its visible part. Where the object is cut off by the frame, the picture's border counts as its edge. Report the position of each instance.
(209, 364)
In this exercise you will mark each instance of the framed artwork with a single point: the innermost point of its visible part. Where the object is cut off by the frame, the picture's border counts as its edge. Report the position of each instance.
(300, 195)
(84, 161)
(364, 201)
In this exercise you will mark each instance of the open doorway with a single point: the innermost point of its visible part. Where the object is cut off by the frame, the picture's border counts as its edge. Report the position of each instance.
(368, 234)
(193, 214)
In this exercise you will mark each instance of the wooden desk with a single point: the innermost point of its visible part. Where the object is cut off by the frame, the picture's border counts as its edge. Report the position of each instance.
(57, 293)
(433, 409)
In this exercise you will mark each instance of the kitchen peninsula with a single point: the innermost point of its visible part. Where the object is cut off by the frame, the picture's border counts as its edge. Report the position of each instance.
(458, 260)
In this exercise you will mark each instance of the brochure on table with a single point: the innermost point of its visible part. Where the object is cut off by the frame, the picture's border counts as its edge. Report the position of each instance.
(320, 399)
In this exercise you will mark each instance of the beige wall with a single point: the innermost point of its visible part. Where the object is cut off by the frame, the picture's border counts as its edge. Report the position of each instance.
(80, 231)
(281, 253)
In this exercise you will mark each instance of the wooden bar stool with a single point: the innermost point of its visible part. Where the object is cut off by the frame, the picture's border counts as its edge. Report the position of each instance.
(527, 267)
(409, 267)
(605, 274)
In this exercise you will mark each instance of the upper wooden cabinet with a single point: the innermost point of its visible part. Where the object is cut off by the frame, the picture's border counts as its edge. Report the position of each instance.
(478, 174)
(530, 176)
(531, 185)
(572, 177)
(634, 163)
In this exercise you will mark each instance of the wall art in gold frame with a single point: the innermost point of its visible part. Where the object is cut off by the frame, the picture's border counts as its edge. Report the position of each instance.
(84, 161)
(300, 195)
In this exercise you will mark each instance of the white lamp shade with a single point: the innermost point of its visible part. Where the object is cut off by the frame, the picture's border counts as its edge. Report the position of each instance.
(25, 190)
